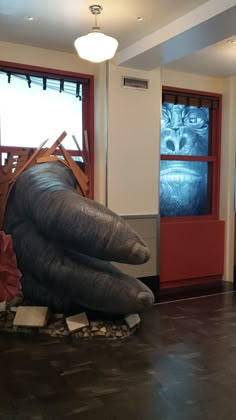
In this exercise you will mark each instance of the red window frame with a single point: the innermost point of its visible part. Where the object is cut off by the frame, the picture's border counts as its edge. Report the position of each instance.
(87, 107)
(213, 158)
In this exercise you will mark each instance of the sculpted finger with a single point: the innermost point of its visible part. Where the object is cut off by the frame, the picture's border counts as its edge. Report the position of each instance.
(75, 278)
(46, 195)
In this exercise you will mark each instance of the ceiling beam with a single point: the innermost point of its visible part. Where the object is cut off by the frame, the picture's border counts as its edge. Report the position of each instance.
(200, 28)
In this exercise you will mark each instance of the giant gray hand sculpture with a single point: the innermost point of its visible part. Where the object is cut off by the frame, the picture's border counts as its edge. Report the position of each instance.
(64, 244)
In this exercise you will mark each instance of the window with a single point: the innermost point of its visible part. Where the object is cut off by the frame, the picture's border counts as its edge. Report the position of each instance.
(38, 104)
(190, 147)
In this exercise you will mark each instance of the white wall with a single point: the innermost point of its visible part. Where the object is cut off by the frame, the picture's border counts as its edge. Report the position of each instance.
(228, 171)
(25, 54)
(191, 81)
(133, 143)
(100, 132)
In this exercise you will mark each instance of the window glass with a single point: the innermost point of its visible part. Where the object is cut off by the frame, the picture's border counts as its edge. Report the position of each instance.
(184, 130)
(184, 188)
(31, 115)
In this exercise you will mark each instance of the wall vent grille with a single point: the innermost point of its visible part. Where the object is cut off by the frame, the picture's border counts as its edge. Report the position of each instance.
(135, 83)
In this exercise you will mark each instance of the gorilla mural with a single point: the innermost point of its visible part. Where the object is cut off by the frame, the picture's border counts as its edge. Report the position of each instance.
(64, 242)
(183, 184)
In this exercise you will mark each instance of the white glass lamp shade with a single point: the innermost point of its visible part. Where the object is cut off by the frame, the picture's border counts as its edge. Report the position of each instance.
(96, 47)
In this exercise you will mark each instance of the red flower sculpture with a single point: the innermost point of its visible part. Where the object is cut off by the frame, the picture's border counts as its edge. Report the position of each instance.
(10, 285)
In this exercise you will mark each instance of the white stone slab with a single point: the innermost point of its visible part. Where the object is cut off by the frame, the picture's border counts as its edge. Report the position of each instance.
(31, 316)
(76, 322)
(3, 306)
(103, 330)
(132, 320)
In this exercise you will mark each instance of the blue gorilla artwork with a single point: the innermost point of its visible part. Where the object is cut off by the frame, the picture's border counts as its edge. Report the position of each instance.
(64, 243)
(183, 184)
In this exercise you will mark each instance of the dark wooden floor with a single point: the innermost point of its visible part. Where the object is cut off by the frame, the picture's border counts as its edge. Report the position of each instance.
(180, 365)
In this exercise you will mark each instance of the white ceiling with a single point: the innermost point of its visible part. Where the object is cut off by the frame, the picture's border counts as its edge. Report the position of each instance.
(217, 60)
(59, 22)
(167, 34)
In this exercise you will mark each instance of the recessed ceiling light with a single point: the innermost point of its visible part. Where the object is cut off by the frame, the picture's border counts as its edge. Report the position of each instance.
(30, 19)
(139, 18)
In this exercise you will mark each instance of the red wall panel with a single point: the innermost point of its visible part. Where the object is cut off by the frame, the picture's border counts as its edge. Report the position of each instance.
(191, 249)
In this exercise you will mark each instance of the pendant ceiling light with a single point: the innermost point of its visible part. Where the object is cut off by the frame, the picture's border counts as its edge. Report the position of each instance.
(96, 46)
